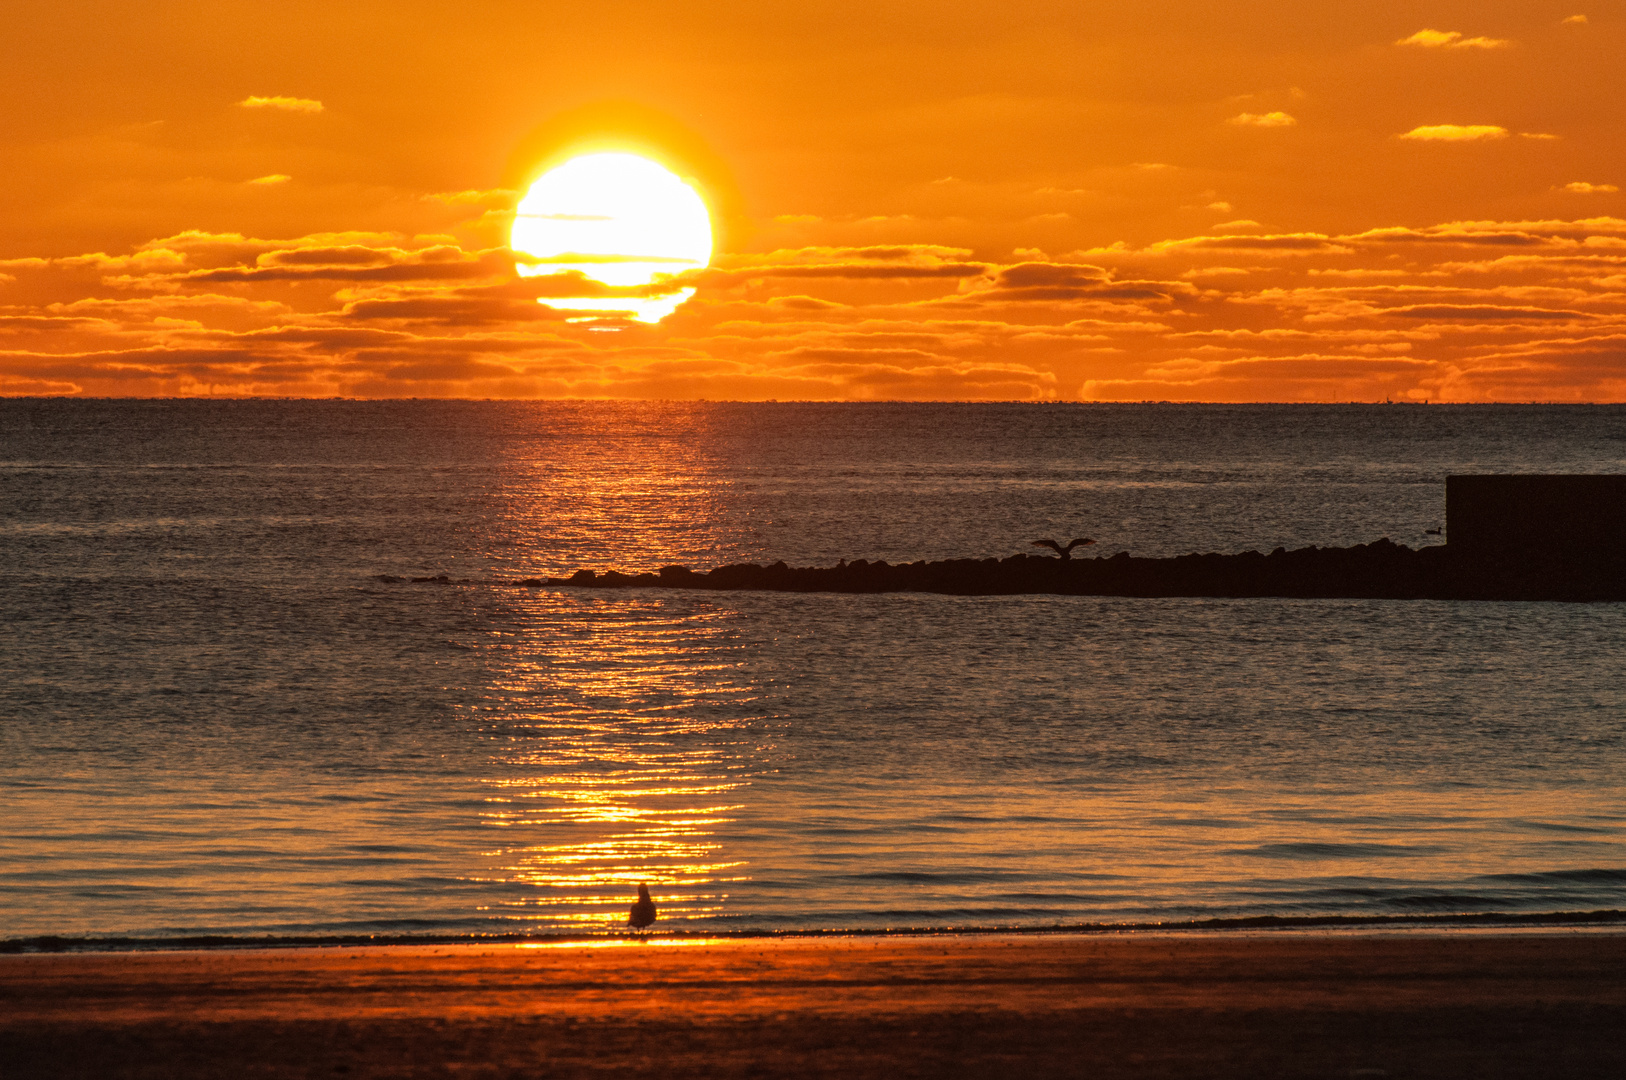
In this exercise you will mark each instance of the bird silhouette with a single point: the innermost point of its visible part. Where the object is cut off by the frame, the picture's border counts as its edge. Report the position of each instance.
(643, 912)
(1064, 552)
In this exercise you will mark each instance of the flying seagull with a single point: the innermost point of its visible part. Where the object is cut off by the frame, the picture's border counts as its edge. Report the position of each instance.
(643, 912)
(1064, 552)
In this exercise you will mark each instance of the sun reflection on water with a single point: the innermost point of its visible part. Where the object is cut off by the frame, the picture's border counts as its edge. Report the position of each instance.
(654, 484)
(620, 943)
(625, 729)
(622, 755)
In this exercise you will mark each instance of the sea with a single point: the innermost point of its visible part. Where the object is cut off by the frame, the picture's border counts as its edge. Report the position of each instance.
(217, 719)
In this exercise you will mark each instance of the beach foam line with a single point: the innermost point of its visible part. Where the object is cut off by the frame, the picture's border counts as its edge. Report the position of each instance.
(1445, 922)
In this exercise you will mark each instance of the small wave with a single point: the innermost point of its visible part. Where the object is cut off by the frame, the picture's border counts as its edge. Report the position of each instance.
(489, 931)
(1598, 875)
(921, 877)
(1315, 850)
(1559, 826)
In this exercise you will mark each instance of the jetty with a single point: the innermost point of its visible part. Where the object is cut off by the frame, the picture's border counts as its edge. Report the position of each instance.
(1508, 537)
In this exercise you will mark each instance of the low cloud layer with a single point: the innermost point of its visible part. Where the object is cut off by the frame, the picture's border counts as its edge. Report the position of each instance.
(1461, 311)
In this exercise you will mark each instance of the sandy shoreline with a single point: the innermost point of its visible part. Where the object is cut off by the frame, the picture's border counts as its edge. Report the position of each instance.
(1608, 920)
(1413, 1004)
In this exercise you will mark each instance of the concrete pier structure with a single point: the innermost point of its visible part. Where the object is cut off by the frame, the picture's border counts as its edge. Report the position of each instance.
(1570, 520)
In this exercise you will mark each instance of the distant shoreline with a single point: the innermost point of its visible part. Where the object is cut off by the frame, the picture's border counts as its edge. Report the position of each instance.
(1478, 920)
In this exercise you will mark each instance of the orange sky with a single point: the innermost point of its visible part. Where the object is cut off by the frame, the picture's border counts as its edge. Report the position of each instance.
(1115, 200)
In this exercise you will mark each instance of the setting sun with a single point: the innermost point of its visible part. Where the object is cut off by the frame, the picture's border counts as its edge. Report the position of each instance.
(619, 220)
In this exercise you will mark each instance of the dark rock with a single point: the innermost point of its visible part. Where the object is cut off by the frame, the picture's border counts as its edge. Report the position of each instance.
(1380, 569)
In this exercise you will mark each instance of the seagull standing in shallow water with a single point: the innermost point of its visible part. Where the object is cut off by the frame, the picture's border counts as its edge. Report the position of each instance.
(1064, 552)
(643, 912)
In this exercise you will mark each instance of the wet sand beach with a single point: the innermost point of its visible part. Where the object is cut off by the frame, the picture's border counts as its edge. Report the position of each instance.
(1479, 1004)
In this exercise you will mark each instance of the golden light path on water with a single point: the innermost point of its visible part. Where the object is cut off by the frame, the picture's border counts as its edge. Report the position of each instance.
(626, 777)
(621, 722)
(616, 943)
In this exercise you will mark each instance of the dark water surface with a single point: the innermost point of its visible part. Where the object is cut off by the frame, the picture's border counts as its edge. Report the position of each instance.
(213, 719)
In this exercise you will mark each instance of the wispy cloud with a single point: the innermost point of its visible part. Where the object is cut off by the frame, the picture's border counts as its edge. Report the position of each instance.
(1455, 133)
(1581, 187)
(499, 197)
(1451, 39)
(286, 104)
(274, 178)
(1574, 20)
(1263, 120)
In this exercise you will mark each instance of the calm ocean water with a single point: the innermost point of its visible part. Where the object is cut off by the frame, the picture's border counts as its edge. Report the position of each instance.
(213, 719)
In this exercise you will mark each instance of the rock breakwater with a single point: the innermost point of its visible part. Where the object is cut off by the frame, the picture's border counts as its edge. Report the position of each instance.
(1379, 570)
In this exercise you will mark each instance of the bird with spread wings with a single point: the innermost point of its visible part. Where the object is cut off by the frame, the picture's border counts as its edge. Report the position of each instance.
(1064, 552)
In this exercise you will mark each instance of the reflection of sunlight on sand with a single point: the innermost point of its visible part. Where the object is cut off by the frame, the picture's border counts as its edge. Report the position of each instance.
(627, 772)
(618, 943)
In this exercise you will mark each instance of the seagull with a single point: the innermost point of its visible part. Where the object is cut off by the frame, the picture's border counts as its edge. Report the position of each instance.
(1064, 552)
(643, 912)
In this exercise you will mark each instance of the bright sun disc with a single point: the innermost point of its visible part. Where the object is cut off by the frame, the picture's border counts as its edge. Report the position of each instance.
(621, 220)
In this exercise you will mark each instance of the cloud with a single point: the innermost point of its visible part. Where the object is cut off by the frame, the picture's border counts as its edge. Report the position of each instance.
(495, 198)
(1537, 135)
(1481, 312)
(453, 311)
(286, 104)
(803, 303)
(349, 255)
(1286, 243)
(1574, 20)
(353, 263)
(846, 270)
(12, 387)
(1291, 316)
(1263, 120)
(139, 309)
(1451, 39)
(1581, 187)
(1455, 133)
(909, 254)
(1035, 281)
(274, 178)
